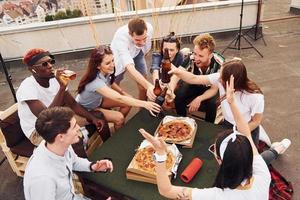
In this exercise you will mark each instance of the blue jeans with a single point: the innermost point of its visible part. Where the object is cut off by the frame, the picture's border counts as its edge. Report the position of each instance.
(139, 64)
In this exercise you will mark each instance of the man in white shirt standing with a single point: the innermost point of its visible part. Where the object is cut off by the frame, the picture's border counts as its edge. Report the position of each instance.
(129, 45)
(48, 173)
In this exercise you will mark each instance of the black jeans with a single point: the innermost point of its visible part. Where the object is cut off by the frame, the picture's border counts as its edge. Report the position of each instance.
(186, 93)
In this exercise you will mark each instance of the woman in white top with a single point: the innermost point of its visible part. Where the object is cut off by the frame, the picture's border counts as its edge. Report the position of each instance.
(249, 97)
(97, 90)
(243, 174)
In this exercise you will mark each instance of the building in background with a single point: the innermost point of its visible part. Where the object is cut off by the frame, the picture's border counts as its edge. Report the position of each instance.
(28, 11)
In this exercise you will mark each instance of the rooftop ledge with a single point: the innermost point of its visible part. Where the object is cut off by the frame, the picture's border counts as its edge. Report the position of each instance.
(63, 35)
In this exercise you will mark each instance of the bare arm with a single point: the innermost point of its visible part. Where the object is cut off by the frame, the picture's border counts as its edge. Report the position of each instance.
(189, 77)
(79, 110)
(195, 104)
(241, 123)
(255, 121)
(117, 88)
(164, 185)
(139, 78)
(155, 75)
(112, 94)
(36, 106)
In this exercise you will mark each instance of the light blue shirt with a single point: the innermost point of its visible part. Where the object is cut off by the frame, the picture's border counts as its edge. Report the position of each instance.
(49, 176)
(89, 97)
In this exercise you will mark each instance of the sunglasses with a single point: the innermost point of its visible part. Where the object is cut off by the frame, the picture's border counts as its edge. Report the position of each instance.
(212, 149)
(46, 63)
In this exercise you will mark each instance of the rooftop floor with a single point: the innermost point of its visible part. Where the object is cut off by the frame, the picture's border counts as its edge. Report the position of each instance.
(277, 73)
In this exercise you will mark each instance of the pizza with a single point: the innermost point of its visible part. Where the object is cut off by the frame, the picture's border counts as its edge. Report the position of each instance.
(144, 160)
(175, 131)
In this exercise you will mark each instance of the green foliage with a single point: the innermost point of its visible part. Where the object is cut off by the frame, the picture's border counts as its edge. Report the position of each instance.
(64, 15)
(60, 15)
(69, 13)
(77, 13)
(49, 18)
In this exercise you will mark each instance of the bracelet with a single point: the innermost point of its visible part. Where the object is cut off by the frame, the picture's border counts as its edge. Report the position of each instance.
(94, 162)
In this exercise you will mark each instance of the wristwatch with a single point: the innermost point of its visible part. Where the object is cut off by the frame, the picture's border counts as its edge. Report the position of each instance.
(159, 158)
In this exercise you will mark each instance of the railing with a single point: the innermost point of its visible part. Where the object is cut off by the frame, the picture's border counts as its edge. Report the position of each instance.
(76, 34)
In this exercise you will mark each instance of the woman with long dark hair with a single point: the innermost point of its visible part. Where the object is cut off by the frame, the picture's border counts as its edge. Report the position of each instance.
(249, 97)
(243, 174)
(98, 91)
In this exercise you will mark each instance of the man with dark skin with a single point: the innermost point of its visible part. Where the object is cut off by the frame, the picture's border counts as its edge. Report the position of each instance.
(48, 88)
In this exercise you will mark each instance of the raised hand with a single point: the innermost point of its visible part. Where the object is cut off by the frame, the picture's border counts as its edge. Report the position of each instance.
(158, 143)
(230, 90)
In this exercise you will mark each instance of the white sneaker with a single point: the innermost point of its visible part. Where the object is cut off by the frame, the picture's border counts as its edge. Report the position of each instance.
(282, 146)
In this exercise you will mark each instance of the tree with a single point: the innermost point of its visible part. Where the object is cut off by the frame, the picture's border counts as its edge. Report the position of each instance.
(69, 13)
(77, 13)
(49, 18)
(60, 15)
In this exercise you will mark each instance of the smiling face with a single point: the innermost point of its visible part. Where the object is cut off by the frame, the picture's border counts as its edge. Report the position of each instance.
(202, 56)
(139, 40)
(107, 65)
(72, 134)
(43, 68)
(172, 49)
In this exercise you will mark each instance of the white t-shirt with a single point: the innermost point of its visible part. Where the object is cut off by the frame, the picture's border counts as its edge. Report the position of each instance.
(124, 49)
(249, 104)
(259, 189)
(32, 90)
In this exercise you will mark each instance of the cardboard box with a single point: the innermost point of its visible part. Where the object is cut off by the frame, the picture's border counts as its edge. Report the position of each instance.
(187, 143)
(133, 172)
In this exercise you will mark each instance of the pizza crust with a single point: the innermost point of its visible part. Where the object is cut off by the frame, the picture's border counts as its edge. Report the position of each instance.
(144, 160)
(175, 131)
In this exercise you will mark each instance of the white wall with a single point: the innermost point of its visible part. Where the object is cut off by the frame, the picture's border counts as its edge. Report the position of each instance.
(295, 4)
(75, 34)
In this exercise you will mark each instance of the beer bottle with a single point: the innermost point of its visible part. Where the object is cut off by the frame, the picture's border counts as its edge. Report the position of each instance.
(166, 67)
(161, 98)
(157, 89)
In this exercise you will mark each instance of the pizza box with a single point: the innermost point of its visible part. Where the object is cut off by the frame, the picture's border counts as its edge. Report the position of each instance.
(134, 172)
(138, 177)
(187, 143)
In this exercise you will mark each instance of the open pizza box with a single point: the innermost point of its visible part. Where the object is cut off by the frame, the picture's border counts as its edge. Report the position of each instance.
(188, 143)
(136, 172)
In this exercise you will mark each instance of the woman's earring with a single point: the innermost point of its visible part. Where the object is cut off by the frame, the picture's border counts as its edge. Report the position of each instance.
(33, 71)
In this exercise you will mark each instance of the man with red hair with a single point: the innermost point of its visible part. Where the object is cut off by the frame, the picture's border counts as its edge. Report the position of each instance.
(44, 89)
